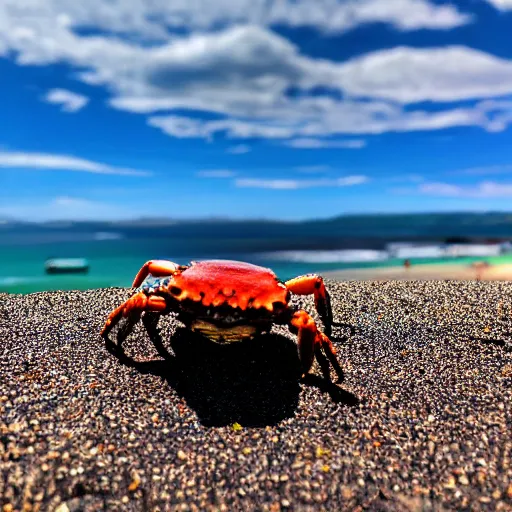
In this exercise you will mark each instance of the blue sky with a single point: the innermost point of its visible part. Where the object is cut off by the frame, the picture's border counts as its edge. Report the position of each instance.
(252, 108)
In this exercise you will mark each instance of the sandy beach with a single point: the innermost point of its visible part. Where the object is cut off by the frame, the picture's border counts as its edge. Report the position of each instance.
(421, 422)
(425, 273)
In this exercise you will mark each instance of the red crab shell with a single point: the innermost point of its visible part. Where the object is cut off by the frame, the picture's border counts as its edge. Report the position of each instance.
(238, 284)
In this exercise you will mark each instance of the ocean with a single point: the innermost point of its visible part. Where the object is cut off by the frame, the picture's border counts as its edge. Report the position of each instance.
(115, 262)
(115, 252)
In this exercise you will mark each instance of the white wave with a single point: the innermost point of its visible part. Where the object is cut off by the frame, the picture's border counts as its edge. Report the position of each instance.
(14, 280)
(334, 256)
(473, 250)
(430, 251)
(409, 250)
(393, 250)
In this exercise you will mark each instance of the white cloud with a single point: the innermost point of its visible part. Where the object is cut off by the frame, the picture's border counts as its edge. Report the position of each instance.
(47, 161)
(499, 113)
(410, 75)
(441, 189)
(239, 149)
(486, 189)
(243, 72)
(306, 143)
(186, 127)
(69, 101)
(216, 173)
(320, 117)
(286, 184)
(501, 4)
(260, 183)
(54, 20)
(249, 86)
(246, 71)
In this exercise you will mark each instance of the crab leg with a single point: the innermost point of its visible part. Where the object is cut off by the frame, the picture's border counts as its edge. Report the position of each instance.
(312, 284)
(311, 342)
(157, 268)
(133, 308)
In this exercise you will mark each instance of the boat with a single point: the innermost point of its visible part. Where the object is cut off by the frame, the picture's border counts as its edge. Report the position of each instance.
(66, 266)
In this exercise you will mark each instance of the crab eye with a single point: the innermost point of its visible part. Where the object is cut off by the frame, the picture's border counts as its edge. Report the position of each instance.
(175, 290)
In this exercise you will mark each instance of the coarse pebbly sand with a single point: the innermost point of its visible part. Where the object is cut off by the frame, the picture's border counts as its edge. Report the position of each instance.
(422, 421)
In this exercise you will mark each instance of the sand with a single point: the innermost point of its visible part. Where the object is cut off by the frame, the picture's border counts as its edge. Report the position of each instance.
(425, 273)
(422, 420)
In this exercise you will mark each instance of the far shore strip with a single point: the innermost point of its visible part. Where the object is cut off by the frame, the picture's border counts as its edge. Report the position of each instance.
(464, 272)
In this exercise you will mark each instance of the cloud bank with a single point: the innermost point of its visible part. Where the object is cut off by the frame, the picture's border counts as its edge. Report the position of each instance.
(226, 59)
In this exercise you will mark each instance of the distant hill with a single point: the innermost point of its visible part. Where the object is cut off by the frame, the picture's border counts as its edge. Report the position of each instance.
(363, 231)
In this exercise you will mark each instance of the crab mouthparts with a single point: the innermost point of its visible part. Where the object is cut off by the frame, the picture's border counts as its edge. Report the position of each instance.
(223, 334)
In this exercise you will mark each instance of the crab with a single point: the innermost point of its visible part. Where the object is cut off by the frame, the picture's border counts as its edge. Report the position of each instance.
(228, 301)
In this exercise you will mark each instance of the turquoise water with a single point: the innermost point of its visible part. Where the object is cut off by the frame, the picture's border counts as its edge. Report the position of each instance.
(113, 263)
(116, 262)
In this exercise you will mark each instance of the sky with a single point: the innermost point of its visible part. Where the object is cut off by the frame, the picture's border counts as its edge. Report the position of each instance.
(287, 109)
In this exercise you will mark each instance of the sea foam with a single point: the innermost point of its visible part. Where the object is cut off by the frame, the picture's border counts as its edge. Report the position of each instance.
(334, 256)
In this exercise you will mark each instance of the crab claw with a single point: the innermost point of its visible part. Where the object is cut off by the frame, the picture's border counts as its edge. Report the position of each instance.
(132, 309)
(313, 342)
(312, 284)
(157, 268)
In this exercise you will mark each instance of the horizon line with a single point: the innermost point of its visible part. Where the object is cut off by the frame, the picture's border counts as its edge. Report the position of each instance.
(217, 218)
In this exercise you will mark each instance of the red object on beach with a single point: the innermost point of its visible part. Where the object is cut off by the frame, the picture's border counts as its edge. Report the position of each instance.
(227, 301)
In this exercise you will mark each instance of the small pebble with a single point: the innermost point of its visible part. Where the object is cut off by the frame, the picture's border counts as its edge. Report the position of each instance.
(463, 480)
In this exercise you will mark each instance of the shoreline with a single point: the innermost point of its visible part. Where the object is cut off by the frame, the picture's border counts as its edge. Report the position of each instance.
(425, 272)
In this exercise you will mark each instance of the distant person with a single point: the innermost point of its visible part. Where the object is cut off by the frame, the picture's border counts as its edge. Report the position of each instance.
(407, 264)
(480, 267)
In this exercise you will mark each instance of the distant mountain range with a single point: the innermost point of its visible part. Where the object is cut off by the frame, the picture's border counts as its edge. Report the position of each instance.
(363, 231)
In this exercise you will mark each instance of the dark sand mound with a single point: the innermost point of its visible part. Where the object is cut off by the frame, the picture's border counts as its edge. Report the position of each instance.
(423, 420)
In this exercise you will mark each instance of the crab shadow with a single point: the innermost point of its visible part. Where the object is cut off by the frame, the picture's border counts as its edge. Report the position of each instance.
(255, 383)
